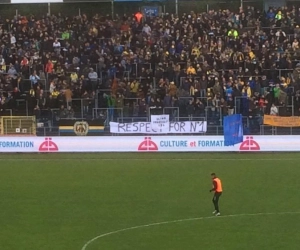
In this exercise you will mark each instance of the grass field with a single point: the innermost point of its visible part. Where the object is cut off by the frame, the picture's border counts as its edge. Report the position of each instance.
(62, 201)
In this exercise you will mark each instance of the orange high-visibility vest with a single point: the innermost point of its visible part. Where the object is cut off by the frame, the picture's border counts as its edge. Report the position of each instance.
(219, 185)
(139, 16)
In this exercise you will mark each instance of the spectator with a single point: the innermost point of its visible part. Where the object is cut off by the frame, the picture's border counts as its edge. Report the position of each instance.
(167, 103)
(37, 113)
(63, 112)
(276, 91)
(111, 104)
(147, 29)
(68, 96)
(217, 88)
(93, 77)
(52, 87)
(34, 79)
(24, 66)
(224, 107)
(86, 102)
(190, 110)
(203, 86)
(282, 97)
(74, 77)
(134, 86)
(230, 106)
(120, 104)
(70, 113)
(65, 35)
(191, 70)
(199, 109)
(274, 110)
(233, 34)
(12, 72)
(13, 40)
(172, 89)
(56, 46)
(2, 64)
(49, 67)
(142, 108)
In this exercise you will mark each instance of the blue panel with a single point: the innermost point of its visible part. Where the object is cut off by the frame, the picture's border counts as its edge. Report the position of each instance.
(233, 130)
(151, 11)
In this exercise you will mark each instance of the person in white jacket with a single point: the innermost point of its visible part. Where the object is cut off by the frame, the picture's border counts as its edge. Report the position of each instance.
(274, 110)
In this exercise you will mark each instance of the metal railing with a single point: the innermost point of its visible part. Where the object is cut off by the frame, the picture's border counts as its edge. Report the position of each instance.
(132, 119)
(109, 114)
(173, 112)
(270, 130)
(252, 126)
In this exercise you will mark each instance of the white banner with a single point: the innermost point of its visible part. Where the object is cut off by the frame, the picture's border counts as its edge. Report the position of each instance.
(160, 123)
(189, 127)
(147, 144)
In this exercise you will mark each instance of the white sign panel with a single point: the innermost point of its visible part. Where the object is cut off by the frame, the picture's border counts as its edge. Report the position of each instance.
(147, 144)
(36, 1)
(160, 123)
(189, 127)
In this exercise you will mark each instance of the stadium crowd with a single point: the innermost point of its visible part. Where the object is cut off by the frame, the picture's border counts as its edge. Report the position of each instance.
(195, 64)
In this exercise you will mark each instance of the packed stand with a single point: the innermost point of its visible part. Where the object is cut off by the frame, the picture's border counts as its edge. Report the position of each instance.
(195, 66)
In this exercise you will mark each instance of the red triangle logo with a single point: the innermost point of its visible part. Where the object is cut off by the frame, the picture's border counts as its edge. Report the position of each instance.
(148, 145)
(249, 145)
(48, 146)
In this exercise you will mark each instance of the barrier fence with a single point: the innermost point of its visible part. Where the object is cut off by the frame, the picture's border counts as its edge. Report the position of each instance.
(49, 130)
(213, 115)
(48, 120)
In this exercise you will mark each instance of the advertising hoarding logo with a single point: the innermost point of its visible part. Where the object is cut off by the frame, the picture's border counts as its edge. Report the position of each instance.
(249, 145)
(48, 146)
(148, 145)
(81, 128)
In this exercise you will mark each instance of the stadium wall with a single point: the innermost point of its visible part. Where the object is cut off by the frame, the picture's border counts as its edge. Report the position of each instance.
(147, 144)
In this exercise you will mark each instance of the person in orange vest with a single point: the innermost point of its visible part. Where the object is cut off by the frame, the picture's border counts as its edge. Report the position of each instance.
(138, 16)
(217, 188)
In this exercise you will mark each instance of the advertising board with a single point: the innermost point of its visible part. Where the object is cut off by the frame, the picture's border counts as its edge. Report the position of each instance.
(148, 144)
(281, 121)
(71, 127)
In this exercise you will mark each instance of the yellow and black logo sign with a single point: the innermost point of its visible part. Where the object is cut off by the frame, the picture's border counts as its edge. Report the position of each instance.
(81, 128)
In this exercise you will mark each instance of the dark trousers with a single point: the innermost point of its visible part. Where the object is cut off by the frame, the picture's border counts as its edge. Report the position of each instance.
(215, 201)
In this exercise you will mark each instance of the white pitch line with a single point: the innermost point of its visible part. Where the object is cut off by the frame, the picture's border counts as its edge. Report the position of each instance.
(149, 159)
(177, 221)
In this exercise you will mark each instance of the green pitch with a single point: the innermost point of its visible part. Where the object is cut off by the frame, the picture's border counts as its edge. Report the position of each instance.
(61, 201)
